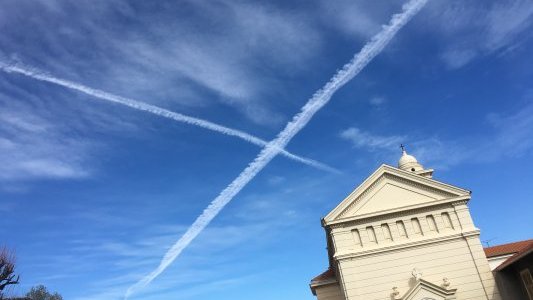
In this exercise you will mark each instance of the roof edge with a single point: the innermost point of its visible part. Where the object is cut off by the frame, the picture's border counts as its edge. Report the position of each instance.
(383, 169)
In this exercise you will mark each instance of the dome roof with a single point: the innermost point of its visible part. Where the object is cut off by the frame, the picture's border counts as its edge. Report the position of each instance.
(409, 163)
(406, 158)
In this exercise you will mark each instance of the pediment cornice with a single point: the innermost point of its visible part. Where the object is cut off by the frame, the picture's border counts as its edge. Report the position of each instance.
(399, 212)
(385, 174)
(426, 289)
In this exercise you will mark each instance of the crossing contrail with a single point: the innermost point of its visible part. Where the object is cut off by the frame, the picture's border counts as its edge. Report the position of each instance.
(313, 105)
(39, 75)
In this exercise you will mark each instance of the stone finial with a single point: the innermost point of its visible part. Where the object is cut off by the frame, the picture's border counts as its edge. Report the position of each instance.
(416, 274)
(395, 293)
(445, 283)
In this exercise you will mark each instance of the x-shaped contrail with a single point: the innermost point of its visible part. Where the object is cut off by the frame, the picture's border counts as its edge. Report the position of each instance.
(274, 147)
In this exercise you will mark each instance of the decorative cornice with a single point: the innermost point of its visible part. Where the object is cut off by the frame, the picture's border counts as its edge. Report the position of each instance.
(407, 244)
(396, 212)
(414, 177)
(386, 174)
(439, 291)
(460, 202)
(393, 215)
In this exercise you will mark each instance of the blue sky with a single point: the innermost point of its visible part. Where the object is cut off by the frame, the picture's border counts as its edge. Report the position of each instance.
(92, 194)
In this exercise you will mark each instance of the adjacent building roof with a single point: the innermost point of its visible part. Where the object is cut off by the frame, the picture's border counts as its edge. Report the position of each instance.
(325, 276)
(517, 257)
(510, 248)
(328, 277)
(512, 252)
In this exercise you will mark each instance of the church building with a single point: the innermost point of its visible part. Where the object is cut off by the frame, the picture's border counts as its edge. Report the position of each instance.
(403, 235)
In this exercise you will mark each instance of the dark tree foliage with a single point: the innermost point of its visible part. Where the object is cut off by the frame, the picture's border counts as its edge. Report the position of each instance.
(7, 270)
(41, 293)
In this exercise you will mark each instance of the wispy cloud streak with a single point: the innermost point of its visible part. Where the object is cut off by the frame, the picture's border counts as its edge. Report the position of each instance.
(273, 148)
(362, 139)
(39, 75)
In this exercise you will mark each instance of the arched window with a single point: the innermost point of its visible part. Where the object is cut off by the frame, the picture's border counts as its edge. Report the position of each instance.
(371, 235)
(447, 220)
(432, 224)
(417, 229)
(401, 229)
(386, 232)
(357, 238)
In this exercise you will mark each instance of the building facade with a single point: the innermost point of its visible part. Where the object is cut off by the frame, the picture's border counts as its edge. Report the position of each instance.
(403, 235)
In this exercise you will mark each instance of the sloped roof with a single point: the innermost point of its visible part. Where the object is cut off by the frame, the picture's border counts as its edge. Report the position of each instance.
(509, 248)
(325, 276)
(516, 257)
(358, 202)
(423, 287)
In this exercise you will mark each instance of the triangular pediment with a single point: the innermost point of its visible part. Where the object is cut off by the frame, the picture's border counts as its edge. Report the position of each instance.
(428, 291)
(388, 189)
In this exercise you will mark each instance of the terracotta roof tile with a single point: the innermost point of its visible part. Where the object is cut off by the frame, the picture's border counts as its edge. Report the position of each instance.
(516, 257)
(507, 248)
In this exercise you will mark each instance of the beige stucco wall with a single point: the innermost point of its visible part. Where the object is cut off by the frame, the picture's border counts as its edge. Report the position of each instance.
(329, 292)
(371, 270)
(374, 276)
(373, 254)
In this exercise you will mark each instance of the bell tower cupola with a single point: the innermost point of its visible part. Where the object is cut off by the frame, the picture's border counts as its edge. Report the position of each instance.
(410, 164)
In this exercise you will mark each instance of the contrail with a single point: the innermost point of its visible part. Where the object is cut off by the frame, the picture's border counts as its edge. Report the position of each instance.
(35, 74)
(313, 105)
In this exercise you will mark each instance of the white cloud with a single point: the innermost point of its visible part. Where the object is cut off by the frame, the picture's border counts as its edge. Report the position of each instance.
(506, 20)
(276, 180)
(514, 132)
(122, 260)
(467, 29)
(511, 137)
(226, 64)
(362, 18)
(457, 58)
(230, 49)
(377, 100)
(471, 29)
(33, 147)
(362, 139)
(43, 137)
